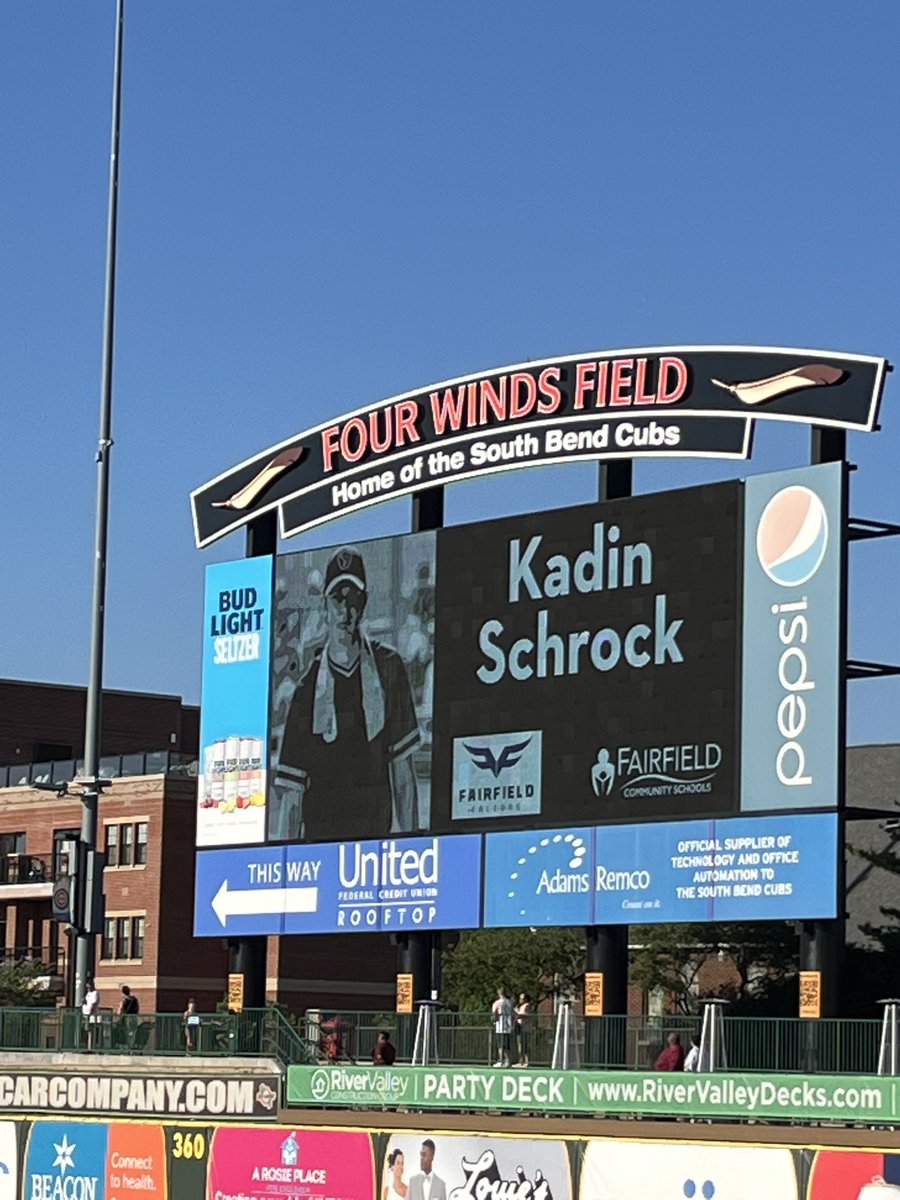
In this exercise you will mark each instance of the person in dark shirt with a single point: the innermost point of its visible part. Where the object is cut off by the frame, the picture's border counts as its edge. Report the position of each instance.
(384, 1053)
(345, 768)
(129, 1005)
(672, 1058)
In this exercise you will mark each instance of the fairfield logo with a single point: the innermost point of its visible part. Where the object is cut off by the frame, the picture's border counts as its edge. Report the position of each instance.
(497, 775)
(485, 758)
(676, 770)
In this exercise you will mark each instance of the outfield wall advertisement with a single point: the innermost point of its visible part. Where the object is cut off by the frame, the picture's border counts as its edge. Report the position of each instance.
(96, 1160)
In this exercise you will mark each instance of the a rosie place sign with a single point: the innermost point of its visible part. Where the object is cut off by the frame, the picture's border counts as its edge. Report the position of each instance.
(687, 401)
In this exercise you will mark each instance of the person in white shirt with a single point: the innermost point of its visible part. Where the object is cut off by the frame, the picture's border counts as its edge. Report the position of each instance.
(692, 1062)
(90, 1010)
(502, 1012)
(427, 1186)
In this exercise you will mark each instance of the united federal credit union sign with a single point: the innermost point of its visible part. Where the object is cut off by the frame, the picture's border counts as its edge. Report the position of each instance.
(687, 401)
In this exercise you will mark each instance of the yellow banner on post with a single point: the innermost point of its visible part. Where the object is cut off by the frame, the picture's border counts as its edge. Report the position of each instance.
(235, 993)
(810, 994)
(593, 993)
(404, 993)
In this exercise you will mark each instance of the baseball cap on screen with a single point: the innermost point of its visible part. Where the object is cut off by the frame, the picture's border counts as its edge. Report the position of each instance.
(346, 566)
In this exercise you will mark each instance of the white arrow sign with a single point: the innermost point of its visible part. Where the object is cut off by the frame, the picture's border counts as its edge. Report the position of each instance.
(250, 901)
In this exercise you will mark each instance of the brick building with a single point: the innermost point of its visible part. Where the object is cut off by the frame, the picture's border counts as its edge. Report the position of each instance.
(146, 826)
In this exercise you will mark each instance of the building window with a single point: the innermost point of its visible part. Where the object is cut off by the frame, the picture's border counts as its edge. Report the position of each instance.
(65, 848)
(137, 938)
(126, 843)
(123, 938)
(51, 751)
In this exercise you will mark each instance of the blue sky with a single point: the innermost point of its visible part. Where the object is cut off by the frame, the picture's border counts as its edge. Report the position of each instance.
(324, 205)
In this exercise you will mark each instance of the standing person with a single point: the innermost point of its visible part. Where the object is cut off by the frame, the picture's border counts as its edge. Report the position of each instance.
(191, 1021)
(672, 1058)
(385, 1052)
(692, 1062)
(333, 1038)
(395, 1188)
(345, 769)
(90, 1010)
(129, 1007)
(427, 1186)
(524, 1025)
(502, 1012)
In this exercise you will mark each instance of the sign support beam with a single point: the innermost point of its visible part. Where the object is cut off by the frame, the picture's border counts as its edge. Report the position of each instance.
(418, 954)
(606, 946)
(822, 941)
(247, 955)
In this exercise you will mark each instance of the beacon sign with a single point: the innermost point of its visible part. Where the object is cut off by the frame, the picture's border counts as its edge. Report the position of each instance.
(793, 556)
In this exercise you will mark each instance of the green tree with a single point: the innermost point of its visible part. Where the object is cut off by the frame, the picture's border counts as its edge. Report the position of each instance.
(870, 972)
(540, 962)
(759, 964)
(24, 985)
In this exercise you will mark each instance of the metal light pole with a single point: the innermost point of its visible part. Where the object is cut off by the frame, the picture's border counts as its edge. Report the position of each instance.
(91, 882)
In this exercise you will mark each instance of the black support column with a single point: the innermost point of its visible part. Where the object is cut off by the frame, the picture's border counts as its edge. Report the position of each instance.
(822, 942)
(247, 955)
(606, 946)
(418, 954)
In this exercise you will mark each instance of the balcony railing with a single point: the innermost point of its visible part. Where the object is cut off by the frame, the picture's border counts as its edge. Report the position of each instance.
(115, 766)
(258, 1033)
(769, 1044)
(779, 1044)
(26, 868)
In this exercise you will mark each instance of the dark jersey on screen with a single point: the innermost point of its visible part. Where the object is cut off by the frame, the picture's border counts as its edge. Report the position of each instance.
(348, 781)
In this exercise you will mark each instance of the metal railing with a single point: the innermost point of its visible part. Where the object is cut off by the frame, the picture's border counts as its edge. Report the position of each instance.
(829, 1045)
(257, 1033)
(778, 1044)
(112, 766)
(18, 869)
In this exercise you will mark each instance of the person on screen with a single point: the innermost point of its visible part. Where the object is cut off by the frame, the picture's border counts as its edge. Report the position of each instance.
(672, 1058)
(427, 1186)
(345, 769)
(395, 1188)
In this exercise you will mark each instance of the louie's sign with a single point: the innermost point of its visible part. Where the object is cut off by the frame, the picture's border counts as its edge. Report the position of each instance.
(697, 401)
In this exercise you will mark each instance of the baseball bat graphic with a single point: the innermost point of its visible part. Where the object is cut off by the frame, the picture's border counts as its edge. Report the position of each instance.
(246, 495)
(760, 391)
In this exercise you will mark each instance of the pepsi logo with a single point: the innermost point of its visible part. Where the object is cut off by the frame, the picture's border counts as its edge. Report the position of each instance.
(792, 536)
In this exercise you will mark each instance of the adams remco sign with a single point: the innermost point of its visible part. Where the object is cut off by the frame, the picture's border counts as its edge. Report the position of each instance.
(225, 1097)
